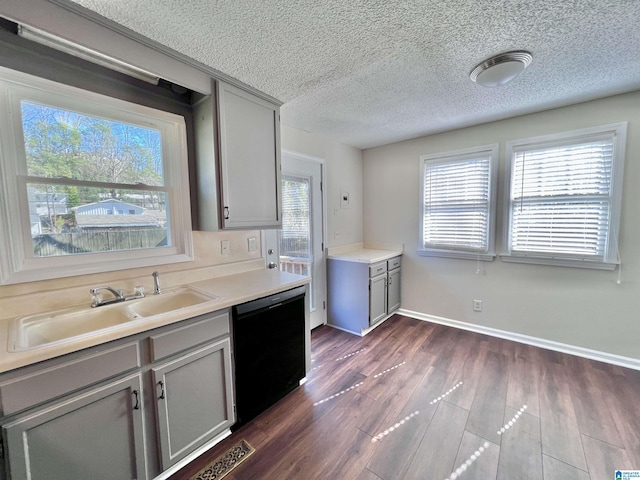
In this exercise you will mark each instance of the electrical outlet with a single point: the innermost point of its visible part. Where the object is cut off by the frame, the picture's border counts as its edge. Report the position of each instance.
(337, 235)
(477, 305)
(224, 247)
(253, 246)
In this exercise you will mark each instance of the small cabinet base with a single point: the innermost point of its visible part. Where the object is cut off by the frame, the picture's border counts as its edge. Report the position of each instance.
(361, 295)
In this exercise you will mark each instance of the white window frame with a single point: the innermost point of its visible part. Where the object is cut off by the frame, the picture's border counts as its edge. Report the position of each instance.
(488, 254)
(17, 262)
(611, 258)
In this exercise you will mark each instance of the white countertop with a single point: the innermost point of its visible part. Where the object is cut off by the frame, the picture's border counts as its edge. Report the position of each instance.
(231, 290)
(366, 255)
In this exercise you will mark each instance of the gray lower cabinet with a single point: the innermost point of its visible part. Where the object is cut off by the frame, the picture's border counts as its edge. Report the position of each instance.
(377, 298)
(125, 410)
(393, 290)
(96, 434)
(194, 395)
(361, 295)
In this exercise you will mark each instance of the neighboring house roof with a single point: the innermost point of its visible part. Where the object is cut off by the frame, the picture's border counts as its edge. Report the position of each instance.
(110, 201)
(158, 215)
(111, 221)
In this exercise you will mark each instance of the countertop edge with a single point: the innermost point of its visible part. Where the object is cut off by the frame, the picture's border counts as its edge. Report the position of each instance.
(366, 255)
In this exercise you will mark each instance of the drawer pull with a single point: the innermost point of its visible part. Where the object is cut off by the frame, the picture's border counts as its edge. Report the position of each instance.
(162, 396)
(137, 405)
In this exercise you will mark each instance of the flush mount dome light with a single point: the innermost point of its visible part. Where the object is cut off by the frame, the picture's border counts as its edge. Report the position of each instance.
(501, 69)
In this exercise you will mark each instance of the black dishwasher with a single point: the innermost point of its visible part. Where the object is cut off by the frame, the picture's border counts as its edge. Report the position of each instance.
(269, 351)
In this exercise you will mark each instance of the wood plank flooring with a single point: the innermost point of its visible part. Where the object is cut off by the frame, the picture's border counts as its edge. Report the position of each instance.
(415, 400)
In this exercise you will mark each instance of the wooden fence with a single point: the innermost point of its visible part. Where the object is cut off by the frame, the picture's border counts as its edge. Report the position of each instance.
(54, 244)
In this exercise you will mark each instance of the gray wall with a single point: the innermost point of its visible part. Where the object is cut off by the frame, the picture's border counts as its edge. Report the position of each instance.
(343, 165)
(581, 307)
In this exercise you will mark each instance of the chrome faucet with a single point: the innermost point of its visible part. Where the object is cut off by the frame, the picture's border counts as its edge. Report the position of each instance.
(118, 296)
(96, 298)
(156, 283)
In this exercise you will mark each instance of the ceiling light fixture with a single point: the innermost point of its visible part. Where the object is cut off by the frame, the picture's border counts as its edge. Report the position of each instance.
(501, 69)
(62, 45)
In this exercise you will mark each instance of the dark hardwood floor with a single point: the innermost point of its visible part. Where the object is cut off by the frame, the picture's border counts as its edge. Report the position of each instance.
(415, 400)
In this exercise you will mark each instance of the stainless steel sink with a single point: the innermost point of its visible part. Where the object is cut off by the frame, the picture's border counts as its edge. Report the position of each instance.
(34, 331)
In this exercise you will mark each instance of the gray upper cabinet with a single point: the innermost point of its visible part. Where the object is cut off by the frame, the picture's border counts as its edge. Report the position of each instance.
(249, 138)
(195, 401)
(97, 433)
(205, 126)
(238, 160)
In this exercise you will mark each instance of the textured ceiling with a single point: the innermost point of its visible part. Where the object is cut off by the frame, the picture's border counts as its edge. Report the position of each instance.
(372, 72)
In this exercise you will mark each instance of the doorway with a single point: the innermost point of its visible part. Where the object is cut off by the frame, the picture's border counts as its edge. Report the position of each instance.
(299, 246)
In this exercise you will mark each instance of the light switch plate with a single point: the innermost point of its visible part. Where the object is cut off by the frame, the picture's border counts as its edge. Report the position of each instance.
(224, 247)
(344, 198)
(253, 244)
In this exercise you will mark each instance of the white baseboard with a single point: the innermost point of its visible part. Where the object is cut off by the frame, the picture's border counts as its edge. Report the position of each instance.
(605, 357)
(364, 331)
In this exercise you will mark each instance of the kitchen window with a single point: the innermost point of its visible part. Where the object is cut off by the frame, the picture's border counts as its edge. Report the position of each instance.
(89, 183)
(458, 203)
(564, 197)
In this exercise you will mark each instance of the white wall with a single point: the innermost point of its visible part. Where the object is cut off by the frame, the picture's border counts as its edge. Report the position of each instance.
(570, 305)
(344, 172)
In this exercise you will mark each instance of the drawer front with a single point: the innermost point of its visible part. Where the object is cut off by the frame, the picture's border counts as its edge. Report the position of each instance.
(377, 269)
(394, 263)
(183, 338)
(48, 383)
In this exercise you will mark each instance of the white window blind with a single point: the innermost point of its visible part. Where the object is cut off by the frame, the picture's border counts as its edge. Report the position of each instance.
(458, 204)
(564, 198)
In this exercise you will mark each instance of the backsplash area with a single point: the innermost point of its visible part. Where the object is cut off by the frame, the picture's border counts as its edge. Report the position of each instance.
(209, 262)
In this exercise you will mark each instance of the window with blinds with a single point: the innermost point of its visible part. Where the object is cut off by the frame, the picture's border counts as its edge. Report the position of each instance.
(565, 197)
(458, 203)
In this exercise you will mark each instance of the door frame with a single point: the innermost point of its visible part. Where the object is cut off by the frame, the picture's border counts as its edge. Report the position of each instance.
(323, 193)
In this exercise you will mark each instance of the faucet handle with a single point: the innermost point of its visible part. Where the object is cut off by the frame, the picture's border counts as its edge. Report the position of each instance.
(96, 298)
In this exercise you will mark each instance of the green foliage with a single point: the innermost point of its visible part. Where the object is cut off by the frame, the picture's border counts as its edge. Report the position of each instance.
(60, 143)
(73, 196)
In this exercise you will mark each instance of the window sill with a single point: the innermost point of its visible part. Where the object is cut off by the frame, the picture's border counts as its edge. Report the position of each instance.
(485, 257)
(559, 262)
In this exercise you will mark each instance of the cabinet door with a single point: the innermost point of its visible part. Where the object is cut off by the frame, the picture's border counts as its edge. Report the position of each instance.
(249, 159)
(377, 298)
(97, 434)
(393, 290)
(195, 400)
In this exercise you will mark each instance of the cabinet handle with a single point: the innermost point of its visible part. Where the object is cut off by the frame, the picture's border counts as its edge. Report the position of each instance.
(137, 405)
(162, 396)
(390, 280)
(226, 213)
